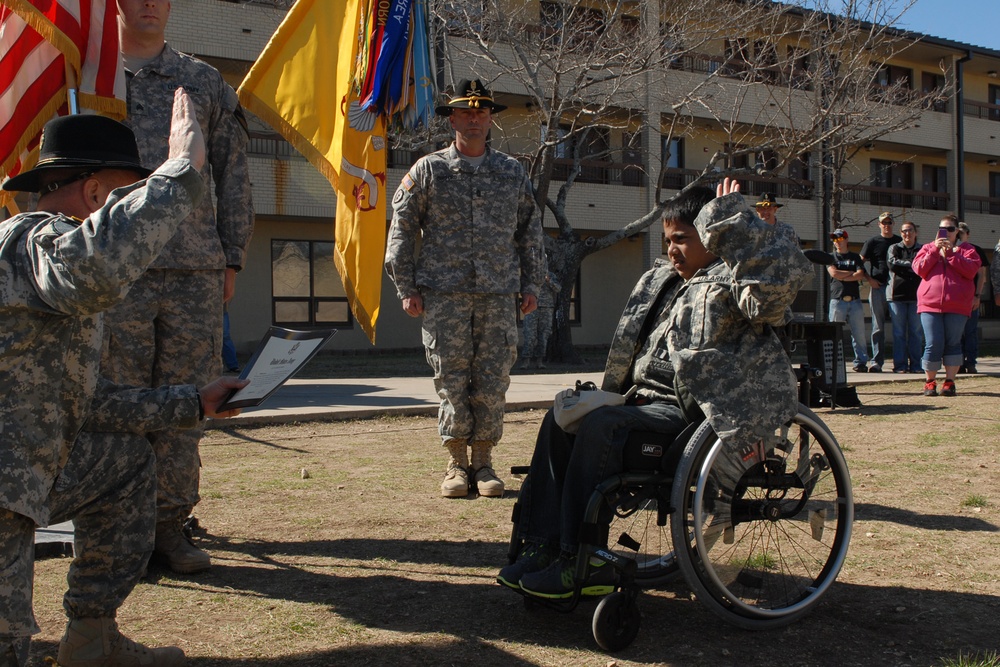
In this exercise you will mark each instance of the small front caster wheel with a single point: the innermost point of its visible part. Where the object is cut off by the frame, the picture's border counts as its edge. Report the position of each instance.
(616, 621)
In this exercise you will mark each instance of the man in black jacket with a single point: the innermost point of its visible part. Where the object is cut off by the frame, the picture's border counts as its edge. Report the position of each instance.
(907, 334)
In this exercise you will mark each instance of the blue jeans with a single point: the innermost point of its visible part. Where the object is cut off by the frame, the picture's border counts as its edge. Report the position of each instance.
(970, 340)
(853, 313)
(878, 305)
(907, 336)
(565, 469)
(943, 333)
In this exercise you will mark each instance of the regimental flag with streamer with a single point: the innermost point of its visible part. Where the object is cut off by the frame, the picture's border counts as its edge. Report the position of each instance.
(47, 48)
(309, 84)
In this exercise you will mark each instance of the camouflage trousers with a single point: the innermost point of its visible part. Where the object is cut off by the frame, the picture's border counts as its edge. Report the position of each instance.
(108, 489)
(169, 331)
(536, 327)
(471, 345)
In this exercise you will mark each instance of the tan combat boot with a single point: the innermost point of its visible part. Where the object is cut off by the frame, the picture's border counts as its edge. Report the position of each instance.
(456, 480)
(176, 551)
(488, 483)
(96, 642)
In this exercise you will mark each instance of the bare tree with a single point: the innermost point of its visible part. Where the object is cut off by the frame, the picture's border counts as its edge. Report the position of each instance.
(789, 82)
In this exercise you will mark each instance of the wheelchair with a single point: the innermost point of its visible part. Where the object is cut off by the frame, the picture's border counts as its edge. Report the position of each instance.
(759, 535)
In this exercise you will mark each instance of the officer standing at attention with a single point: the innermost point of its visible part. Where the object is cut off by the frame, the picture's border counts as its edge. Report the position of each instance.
(481, 245)
(169, 328)
(767, 210)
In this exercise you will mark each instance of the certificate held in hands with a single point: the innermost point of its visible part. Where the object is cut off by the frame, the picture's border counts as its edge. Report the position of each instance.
(279, 356)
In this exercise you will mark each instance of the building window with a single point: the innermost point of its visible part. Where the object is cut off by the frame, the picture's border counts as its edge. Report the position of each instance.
(594, 147)
(632, 172)
(932, 84)
(581, 27)
(672, 162)
(894, 84)
(886, 176)
(306, 290)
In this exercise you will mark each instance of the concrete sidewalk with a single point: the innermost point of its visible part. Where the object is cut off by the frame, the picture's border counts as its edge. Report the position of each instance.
(357, 398)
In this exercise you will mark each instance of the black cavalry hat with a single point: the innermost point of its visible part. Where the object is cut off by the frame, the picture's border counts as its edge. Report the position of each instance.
(81, 141)
(470, 95)
(767, 199)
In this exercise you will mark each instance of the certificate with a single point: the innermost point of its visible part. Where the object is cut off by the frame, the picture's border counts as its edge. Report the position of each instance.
(279, 356)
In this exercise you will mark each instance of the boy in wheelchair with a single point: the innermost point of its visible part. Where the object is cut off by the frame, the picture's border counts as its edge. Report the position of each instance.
(695, 342)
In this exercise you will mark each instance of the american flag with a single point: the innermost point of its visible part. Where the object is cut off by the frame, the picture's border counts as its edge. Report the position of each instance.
(46, 48)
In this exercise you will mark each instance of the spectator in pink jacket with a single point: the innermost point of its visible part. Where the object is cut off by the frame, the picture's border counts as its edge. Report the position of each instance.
(944, 301)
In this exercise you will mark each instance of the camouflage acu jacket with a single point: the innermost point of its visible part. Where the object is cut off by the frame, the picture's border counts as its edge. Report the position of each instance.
(479, 228)
(719, 339)
(207, 239)
(56, 276)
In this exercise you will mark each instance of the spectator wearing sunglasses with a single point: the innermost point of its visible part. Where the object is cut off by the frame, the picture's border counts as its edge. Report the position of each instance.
(944, 301)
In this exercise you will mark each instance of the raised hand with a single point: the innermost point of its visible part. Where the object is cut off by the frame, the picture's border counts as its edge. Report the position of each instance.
(726, 187)
(186, 139)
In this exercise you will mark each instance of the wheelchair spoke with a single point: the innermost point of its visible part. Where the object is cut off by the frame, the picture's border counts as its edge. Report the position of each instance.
(783, 516)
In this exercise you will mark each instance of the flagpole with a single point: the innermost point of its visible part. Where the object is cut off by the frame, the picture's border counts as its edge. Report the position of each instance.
(72, 101)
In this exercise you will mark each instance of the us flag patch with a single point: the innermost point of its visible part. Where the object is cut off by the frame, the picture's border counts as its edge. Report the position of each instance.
(407, 182)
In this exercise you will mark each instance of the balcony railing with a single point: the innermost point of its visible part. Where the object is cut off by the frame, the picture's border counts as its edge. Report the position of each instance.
(782, 188)
(273, 145)
(896, 197)
(983, 110)
(988, 205)
(596, 171)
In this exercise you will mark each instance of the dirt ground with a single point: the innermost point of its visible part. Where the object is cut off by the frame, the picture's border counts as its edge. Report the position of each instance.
(332, 547)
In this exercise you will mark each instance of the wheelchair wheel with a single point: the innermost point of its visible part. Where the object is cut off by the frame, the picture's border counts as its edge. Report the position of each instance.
(635, 533)
(616, 621)
(762, 533)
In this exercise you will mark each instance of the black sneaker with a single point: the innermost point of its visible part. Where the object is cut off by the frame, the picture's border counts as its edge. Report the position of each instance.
(556, 581)
(874, 368)
(531, 559)
(971, 369)
(860, 369)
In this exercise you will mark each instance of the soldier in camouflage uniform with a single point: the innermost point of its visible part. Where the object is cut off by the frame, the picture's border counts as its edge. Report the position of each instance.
(59, 268)
(537, 325)
(695, 336)
(169, 329)
(767, 209)
(481, 244)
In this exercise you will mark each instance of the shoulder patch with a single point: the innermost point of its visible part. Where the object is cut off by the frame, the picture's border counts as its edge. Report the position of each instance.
(407, 182)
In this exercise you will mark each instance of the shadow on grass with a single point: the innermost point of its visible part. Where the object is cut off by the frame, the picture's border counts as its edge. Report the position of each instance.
(870, 512)
(873, 409)
(405, 586)
(852, 625)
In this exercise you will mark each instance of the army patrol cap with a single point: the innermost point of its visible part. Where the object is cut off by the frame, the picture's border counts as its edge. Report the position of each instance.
(81, 141)
(470, 95)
